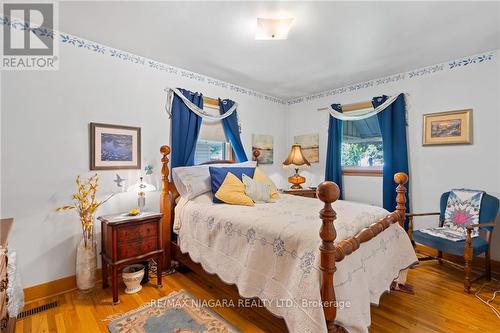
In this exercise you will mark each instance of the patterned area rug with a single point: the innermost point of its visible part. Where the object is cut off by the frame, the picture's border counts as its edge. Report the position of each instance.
(178, 312)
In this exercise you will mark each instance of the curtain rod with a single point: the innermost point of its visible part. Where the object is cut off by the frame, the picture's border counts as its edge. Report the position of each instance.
(353, 106)
(356, 106)
(210, 100)
(206, 100)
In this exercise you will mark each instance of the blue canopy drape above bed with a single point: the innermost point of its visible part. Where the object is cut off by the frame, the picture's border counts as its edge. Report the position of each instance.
(232, 129)
(392, 122)
(333, 170)
(185, 128)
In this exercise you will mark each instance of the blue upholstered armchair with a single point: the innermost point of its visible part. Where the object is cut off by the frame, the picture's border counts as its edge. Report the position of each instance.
(472, 246)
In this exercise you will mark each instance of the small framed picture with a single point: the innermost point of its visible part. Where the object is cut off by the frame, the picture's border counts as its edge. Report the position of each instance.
(448, 128)
(114, 147)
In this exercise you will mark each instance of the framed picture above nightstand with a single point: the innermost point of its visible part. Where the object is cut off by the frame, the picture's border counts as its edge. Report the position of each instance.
(114, 147)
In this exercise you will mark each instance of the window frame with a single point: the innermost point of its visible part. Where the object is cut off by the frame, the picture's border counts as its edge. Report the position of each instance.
(369, 171)
(228, 149)
(229, 152)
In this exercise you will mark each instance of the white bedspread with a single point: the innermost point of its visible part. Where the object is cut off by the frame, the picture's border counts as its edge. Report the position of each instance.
(271, 251)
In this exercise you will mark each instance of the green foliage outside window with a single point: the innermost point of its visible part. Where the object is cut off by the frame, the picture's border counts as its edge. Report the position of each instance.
(216, 150)
(362, 154)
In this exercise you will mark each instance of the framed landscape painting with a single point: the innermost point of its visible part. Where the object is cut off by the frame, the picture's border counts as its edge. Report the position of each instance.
(264, 144)
(448, 128)
(309, 144)
(114, 147)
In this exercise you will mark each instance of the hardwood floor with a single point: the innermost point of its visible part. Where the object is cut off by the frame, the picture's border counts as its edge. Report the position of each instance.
(439, 305)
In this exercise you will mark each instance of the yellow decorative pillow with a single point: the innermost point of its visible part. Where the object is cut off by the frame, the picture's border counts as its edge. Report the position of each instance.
(261, 177)
(232, 191)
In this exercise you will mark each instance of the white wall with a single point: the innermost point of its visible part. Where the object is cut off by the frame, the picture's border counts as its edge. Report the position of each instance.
(433, 169)
(44, 144)
(44, 141)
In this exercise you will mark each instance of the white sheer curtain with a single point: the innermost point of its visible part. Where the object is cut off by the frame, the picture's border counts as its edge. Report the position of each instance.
(361, 114)
(200, 112)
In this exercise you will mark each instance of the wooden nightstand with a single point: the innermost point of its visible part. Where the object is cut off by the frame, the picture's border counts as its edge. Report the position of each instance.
(306, 192)
(126, 240)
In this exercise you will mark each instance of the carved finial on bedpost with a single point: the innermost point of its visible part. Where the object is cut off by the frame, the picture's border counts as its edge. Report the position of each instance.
(165, 206)
(401, 178)
(256, 154)
(165, 151)
(328, 192)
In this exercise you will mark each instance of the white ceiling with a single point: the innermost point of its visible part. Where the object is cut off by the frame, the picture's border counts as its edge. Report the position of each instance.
(331, 44)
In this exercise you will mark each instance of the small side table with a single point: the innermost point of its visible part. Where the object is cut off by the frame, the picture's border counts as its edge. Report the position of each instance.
(306, 192)
(126, 240)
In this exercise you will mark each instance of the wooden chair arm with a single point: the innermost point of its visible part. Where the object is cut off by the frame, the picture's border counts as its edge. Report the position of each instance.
(410, 217)
(472, 226)
(421, 214)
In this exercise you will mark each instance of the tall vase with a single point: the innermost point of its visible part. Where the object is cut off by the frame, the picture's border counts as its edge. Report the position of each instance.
(86, 262)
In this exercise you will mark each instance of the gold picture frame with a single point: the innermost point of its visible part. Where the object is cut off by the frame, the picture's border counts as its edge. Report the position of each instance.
(448, 128)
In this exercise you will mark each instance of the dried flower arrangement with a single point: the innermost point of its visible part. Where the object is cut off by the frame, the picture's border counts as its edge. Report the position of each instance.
(85, 202)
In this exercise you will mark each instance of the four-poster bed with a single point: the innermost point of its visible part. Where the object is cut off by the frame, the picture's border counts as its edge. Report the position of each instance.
(331, 253)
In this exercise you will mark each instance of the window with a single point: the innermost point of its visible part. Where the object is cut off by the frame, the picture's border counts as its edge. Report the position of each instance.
(212, 143)
(362, 152)
(207, 150)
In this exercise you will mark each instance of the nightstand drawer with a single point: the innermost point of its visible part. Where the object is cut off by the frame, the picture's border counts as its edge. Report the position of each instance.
(133, 249)
(136, 233)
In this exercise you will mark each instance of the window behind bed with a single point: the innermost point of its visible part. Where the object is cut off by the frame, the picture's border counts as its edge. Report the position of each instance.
(212, 142)
(362, 146)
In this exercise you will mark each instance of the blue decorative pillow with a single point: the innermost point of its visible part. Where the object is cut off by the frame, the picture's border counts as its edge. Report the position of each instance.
(218, 174)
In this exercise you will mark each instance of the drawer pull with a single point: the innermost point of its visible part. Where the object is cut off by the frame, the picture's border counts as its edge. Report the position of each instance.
(3, 285)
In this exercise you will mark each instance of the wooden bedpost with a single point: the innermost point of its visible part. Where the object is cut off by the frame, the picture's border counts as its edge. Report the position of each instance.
(328, 192)
(401, 179)
(166, 206)
(256, 154)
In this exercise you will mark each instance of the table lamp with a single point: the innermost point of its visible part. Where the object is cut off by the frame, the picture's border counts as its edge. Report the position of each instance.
(141, 188)
(296, 160)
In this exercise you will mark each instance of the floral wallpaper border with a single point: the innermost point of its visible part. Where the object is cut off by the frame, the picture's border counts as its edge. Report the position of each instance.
(410, 75)
(67, 39)
(81, 43)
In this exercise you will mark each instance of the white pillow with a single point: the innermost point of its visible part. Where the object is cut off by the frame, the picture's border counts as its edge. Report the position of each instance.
(257, 191)
(195, 180)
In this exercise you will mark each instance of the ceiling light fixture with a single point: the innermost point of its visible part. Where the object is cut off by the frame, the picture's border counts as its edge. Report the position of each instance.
(272, 29)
